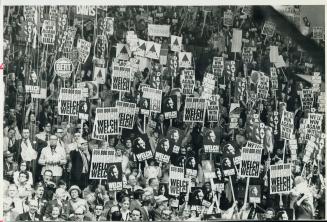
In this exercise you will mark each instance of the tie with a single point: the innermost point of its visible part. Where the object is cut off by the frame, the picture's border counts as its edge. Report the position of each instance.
(25, 142)
(132, 188)
(11, 143)
(46, 137)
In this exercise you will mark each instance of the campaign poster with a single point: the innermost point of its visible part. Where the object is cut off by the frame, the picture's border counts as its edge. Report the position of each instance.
(108, 26)
(99, 71)
(159, 30)
(208, 85)
(123, 52)
(210, 141)
(209, 170)
(185, 59)
(177, 183)
(280, 178)
(142, 149)
(121, 78)
(254, 193)
(175, 43)
(126, 114)
(48, 32)
(163, 151)
(152, 50)
(169, 107)
(155, 97)
(84, 48)
(251, 160)
(90, 89)
(268, 29)
(273, 78)
(228, 166)
(218, 66)
(68, 101)
(115, 176)
(106, 121)
(287, 125)
(187, 81)
(191, 167)
(84, 110)
(144, 105)
(263, 87)
(228, 18)
(33, 82)
(100, 163)
(307, 99)
(194, 110)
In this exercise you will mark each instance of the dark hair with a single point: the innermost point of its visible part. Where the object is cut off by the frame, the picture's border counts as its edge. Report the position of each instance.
(138, 211)
(48, 171)
(151, 180)
(138, 194)
(25, 173)
(116, 216)
(61, 182)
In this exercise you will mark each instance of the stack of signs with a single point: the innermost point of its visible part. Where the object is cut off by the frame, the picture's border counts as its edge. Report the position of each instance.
(99, 70)
(213, 109)
(316, 81)
(123, 52)
(83, 48)
(177, 183)
(159, 30)
(32, 83)
(236, 40)
(208, 85)
(175, 43)
(280, 178)
(141, 149)
(286, 125)
(251, 160)
(63, 67)
(307, 99)
(121, 78)
(268, 29)
(234, 114)
(126, 114)
(152, 50)
(273, 54)
(273, 78)
(108, 26)
(170, 107)
(68, 101)
(228, 18)
(247, 54)
(83, 110)
(163, 151)
(309, 148)
(48, 32)
(314, 124)
(321, 102)
(210, 141)
(140, 51)
(155, 97)
(293, 148)
(188, 81)
(185, 59)
(101, 159)
(106, 121)
(254, 193)
(218, 66)
(318, 33)
(194, 110)
(263, 87)
(230, 69)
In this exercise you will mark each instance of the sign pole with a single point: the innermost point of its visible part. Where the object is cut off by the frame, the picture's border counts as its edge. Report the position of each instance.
(231, 186)
(246, 191)
(284, 150)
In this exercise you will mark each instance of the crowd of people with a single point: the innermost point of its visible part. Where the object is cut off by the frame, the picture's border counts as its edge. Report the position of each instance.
(48, 158)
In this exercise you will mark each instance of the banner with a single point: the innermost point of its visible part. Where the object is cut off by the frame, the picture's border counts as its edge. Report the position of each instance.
(159, 30)
(106, 121)
(100, 163)
(228, 18)
(286, 125)
(254, 193)
(126, 114)
(169, 107)
(121, 78)
(318, 32)
(84, 110)
(210, 141)
(187, 81)
(68, 101)
(280, 178)
(185, 59)
(48, 32)
(307, 99)
(155, 96)
(236, 40)
(268, 29)
(263, 87)
(115, 176)
(63, 67)
(175, 43)
(273, 78)
(163, 151)
(86, 12)
(108, 26)
(83, 48)
(251, 160)
(142, 149)
(177, 183)
(273, 54)
(194, 110)
(152, 50)
(123, 52)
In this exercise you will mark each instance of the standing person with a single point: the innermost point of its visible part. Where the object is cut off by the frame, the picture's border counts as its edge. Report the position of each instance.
(124, 208)
(79, 164)
(9, 166)
(9, 213)
(32, 214)
(53, 158)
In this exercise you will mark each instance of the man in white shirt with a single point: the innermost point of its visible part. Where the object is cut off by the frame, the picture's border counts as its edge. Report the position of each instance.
(53, 158)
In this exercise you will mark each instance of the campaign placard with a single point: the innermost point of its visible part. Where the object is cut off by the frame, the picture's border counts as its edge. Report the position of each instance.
(99, 71)
(263, 87)
(208, 85)
(123, 52)
(191, 167)
(273, 53)
(185, 59)
(100, 163)
(194, 110)
(316, 81)
(250, 160)
(314, 126)
(213, 109)
(163, 151)
(286, 125)
(236, 40)
(273, 78)
(121, 78)
(126, 114)
(321, 102)
(115, 176)
(169, 107)
(85, 11)
(254, 193)
(227, 166)
(83, 48)
(307, 99)
(280, 178)
(318, 32)
(90, 89)
(84, 110)
(177, 183)
(68, 101)
(63, 67)
(140, 50)
(218, 66)
(108, 26)
(152, 50)
(228, 18)
(188, 81)
(159, 30)
(155, 96)
(210, 141)
(48, 32)
(268, 29)
(142, 149)
(175, 43)
(247, 54)
(106, 121)
(33, 82)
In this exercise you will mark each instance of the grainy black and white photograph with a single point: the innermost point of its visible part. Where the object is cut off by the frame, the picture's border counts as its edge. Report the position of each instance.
(163, 112)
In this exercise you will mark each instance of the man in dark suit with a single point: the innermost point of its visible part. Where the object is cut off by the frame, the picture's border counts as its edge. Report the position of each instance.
(31, 215)
(79, 164)
(9, 166)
